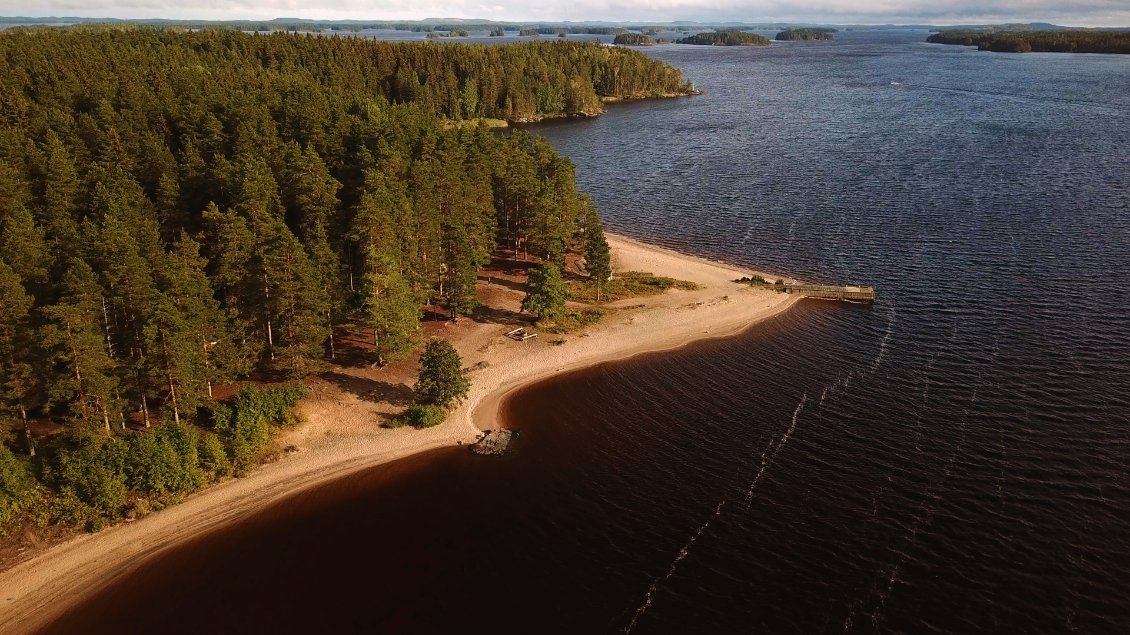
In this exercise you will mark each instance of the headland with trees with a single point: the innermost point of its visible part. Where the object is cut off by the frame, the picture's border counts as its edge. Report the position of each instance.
(1043, 41)
(181, 211)
(199, 229)
(633, 39)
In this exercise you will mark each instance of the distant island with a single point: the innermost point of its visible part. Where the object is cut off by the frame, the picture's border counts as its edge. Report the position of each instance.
(804, 34)
(1059, 41)
(633, 39)
(725, 38)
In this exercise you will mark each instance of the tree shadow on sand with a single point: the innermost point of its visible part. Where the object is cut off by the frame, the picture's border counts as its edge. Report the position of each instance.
(370, 389)
(493, 315)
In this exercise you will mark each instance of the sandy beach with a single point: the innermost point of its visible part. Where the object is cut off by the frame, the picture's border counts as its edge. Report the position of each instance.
(341, 432)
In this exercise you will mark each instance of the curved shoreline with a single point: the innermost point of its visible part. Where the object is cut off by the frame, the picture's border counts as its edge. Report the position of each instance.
(42, 588)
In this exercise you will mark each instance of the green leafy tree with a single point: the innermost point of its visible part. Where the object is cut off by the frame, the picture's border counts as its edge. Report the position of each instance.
(442, 380)
(545, 292)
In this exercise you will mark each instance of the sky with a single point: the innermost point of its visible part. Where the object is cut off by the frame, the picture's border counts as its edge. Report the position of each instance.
(1066, 12)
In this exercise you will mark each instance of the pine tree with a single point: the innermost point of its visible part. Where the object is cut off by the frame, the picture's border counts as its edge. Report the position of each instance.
(187, 325)
(16, 371)
(598, 258)
(24, 248)
(296, 304)
(128, 308)
(313, 203)
(389, 308)
(76, 345)
(442, 379)
(545, 292)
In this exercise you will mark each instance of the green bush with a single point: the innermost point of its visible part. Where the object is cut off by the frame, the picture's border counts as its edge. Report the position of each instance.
(165, 460)
(442, 379)
(571, 321)
(424, 415)
(18, 489)
(212, 456)
(68, 509)
(244, 425)
(92, 468)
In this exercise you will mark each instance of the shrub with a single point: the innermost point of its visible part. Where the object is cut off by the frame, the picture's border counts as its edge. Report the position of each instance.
(92, 469)
(165, 460)
(212, 456)
(423, 415)
(244, 425)
(18, 490)
(572, 321)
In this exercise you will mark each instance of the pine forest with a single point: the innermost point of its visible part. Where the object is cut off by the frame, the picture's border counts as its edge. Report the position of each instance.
(181, 209)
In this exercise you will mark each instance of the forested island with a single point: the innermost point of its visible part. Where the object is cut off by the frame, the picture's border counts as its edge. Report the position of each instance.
(180, 210)
(725, 38)
(789, 35)
(633, 39)
(1057, 41)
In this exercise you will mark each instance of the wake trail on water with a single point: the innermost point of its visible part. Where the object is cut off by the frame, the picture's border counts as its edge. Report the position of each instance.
(654, 588)
(927, 510)
(767, 457)
(771, 452)
(883, 343)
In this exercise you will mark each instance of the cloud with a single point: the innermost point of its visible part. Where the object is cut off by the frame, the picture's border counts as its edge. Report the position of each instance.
(1082, 12)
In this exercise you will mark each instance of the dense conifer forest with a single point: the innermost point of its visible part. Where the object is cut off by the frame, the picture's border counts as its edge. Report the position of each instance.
(789, 35)
(182, 209)
(633, 39)
(1058, 41)
(725, 38)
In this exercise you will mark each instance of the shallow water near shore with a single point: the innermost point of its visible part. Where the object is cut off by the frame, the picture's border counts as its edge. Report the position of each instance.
(955, 458)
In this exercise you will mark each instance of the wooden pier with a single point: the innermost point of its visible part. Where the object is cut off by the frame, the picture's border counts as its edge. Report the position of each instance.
(833, 292)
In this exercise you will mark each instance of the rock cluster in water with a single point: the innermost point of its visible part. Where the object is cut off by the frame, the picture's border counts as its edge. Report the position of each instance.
(494, 442)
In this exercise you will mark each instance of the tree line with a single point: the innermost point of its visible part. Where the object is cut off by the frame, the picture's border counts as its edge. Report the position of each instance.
(633, 39)
(807, 34)
(725, 38)
(1055, 41)
(178, 210)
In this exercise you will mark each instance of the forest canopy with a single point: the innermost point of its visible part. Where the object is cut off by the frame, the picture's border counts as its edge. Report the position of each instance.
(633, 39)
(181, 209)
(1058, 41)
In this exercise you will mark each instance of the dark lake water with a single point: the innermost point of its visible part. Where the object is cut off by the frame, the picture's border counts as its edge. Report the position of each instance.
(953, 459)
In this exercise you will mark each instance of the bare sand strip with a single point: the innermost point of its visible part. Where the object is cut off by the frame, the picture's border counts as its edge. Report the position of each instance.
(341, 434)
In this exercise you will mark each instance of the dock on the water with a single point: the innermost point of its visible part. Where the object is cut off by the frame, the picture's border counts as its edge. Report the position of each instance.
(833, 292)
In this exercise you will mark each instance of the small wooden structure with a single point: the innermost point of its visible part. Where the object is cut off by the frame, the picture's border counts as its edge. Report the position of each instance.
(521, 334)
(833, 292)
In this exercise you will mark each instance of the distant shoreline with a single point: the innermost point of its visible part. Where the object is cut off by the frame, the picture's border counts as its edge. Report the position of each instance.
(341, 435)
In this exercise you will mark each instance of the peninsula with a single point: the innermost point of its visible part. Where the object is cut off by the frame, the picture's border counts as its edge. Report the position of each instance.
(633, 39)
(341, 432)
(1047, 41)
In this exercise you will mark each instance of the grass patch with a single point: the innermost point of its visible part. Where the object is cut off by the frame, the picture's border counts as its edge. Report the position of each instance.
(571, 321)
(627, 284)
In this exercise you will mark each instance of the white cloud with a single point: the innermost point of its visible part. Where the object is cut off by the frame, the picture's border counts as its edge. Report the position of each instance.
(1082, 12)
